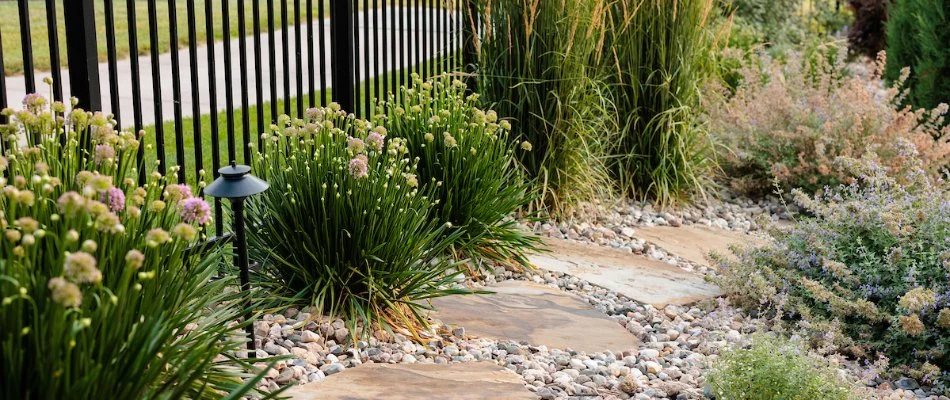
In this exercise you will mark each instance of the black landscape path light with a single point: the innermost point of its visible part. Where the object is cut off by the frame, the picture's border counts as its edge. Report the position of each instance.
(236, 183)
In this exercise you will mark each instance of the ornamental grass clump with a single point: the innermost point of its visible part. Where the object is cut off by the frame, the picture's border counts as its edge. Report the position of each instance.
(534, 70)
(656, 56)
(346, 225)
(100, 298)
(789, 121)
(873, 262)
(470, 159)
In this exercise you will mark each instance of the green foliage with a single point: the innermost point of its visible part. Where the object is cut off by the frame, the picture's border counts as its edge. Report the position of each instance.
(345, 224)
(100, 298)
(777, 20)
(544, 88)
(872, 264)
(469, 153)
(773, 369)
(656, 56)
(789, 120)
(917, 37)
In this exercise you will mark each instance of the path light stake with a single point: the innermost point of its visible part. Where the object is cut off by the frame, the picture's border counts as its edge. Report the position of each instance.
(236, 183)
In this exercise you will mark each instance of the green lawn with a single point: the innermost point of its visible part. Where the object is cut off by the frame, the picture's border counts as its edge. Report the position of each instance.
(188, 129)
(10, 28)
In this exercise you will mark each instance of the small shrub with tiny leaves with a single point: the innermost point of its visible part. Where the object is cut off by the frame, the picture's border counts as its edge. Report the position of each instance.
(773, 369)
(346, 225)
(872, 263)
(789, 120)
(468, 156)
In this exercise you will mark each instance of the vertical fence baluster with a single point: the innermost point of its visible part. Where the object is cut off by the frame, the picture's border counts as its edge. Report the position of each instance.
(311, 68)
(323, 57)
(195, 92)
(298, 42)
(366, 88)
(111, 59)
(213, 102)
(228, 81)
(394, 35)
(26, 46)
(81, 53)
(176, 91)
(402, 44)
(136, 84)
(469, 27)
(379, 82)
(53, 33)
(156, 85)
(3, 91)
(384, 48)
(245, 100)
(258, 72)
(285, 45)
(342, 52)
(357, 93)
(272, 50)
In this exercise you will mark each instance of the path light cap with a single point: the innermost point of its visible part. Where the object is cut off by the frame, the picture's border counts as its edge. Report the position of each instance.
(235, 181)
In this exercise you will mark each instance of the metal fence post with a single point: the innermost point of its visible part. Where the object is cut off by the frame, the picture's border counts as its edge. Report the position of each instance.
(343, 70)
(80, 21)
(469, 29)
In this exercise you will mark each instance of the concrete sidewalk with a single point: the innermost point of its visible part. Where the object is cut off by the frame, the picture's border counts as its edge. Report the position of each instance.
(16, 84)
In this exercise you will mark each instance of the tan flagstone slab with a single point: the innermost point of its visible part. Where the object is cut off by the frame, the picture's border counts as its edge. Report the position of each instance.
(537, 314)
(635, 276)
(481, 380)
(694, 242)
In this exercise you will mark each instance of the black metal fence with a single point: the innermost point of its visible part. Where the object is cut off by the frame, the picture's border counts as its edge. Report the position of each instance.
(348, 51)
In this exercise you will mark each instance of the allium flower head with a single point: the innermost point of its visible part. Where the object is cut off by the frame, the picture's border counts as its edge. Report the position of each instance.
(505, 125)
(81, 267)
(196, 210)
(185, 232)
(176, 193)
(314, 114)
(114, 198)
(355, 145)
(65, 293)
(411, 180)
(3, 163)
(449, 140)
(134, 259)
(429, 137)
(71, 204)
(29, 225)
(34, 102)
(157, 237)
(358, 167)
(375, 141)
(526, 146)
(100, 183)
(104, 153)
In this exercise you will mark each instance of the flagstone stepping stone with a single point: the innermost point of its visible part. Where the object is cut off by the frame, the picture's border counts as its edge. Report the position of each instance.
(481, 380)
(694, 242)
(632, 275)
(536, 314)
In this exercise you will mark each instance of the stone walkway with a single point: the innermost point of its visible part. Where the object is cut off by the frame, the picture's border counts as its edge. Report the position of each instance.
(16, 88)
(463, 381)
(546, 317)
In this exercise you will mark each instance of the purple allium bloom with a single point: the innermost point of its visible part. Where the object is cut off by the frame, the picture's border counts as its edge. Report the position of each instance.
(103, 152)
(375, 141)
(359, 167)
(196, 210)
(177, 193)
(114, 198)
(34, 102)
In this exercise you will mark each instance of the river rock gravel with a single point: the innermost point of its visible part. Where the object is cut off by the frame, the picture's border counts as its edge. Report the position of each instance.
(678, 346)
